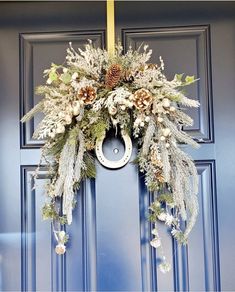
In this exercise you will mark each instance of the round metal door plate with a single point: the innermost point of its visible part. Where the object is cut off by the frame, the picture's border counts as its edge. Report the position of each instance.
(112, 163)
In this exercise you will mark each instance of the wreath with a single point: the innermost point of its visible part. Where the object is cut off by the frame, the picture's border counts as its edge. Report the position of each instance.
(95, 92)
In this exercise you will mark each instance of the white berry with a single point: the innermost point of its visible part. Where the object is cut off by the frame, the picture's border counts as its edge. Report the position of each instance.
(60, 129)
(166, 132)
(61, 115)
(76, 110)
(75, 75)
(68, 120)
(112, 110)
(49, 81)
(166, 102)
(52, 135)
(160, 109)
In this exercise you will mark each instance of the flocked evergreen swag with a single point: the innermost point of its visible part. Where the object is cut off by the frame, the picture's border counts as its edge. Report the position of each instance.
(95, 92)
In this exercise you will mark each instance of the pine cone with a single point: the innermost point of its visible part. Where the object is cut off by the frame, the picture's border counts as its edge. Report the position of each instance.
(159, 176)
(128, 76)
(142, 99)
(155, 160)
(87, 94)
(113, 75)
(152, 66)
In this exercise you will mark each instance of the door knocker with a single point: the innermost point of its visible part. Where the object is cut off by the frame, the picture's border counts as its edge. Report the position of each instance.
(119, 163)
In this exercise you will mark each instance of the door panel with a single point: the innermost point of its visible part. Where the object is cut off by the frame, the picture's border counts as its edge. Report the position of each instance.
(183, 49)
(109, 248)
(37, 52)
(36, 244)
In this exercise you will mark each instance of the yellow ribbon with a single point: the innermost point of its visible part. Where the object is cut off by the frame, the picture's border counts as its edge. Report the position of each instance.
(110, 27)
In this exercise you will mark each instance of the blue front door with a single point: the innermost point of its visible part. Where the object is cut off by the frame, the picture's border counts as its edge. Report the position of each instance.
(109, 247)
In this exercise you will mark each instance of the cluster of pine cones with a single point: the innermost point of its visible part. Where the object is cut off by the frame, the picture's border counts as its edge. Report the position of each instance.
(142, 98)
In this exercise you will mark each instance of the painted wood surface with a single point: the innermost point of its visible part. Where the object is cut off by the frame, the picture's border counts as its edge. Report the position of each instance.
(109, 247)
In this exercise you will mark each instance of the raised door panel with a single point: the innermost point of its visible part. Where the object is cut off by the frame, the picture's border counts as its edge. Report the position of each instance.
(184, 50)
(36, 266)
(37, 52)
(203, 268)
(41, 268)
(195, 267)
(118, 229)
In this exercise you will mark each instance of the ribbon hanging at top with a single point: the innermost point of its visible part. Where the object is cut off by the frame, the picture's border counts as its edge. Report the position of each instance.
(110, 27)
